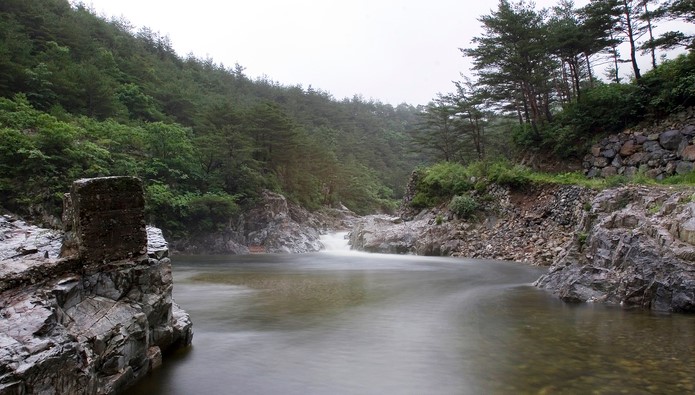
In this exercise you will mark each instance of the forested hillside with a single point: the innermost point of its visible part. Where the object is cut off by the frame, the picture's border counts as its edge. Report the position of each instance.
(81, 96)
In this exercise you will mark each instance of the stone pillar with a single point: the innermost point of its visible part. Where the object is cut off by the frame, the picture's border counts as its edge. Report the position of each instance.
(105, 219)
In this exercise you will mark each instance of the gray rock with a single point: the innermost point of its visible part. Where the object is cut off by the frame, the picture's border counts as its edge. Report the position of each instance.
(600, 162)
(670, 139)
(608, 154)
(75, 326)
(684, 167)
(630, 171)
(623, 254)
(274, 225)
(652, 146)
(609, 171)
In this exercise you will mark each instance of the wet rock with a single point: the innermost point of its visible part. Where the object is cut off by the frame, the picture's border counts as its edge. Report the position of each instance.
(75, 326)
(625, 254)
(274, 225)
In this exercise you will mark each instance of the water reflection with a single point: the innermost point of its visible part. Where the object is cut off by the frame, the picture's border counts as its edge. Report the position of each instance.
(350, 323)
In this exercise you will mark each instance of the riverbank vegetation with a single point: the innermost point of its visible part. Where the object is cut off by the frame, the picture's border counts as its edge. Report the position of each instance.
(534, 92)
(462, 187)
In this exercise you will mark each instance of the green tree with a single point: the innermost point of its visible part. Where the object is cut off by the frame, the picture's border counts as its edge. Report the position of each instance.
(512, 54)
(676, 10)
(440, 130)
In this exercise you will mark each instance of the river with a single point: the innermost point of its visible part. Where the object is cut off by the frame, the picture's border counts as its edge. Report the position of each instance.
(340, 322)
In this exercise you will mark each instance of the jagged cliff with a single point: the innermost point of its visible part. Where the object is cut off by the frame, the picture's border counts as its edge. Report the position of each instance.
(635, 247)
(97, 318)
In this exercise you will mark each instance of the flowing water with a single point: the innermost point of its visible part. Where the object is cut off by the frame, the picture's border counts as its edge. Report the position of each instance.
(340, 322)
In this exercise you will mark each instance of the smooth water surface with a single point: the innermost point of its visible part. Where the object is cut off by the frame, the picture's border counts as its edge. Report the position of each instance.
(353, 323)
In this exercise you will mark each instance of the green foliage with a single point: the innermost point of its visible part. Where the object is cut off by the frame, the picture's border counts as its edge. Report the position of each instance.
(582, 237)
(440, 182)
(210, 212)
(504, 173)
(610, 108)
(463, 206)
(669, 88)
(680, 179)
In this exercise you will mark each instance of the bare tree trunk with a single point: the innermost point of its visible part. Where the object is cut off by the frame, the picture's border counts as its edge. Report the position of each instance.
(588, 69)
(565, 88)
(574, 72)
(616, 61)
(631, 40)
(651, 33)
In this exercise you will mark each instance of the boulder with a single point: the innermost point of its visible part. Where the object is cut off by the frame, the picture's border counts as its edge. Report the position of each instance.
(688, 153)
(629, 148)
(684, 167)
(670, 139)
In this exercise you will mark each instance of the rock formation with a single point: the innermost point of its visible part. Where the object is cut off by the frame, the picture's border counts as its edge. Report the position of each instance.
(273, 225)
(635, 247)
(98, 318)
(529, 224)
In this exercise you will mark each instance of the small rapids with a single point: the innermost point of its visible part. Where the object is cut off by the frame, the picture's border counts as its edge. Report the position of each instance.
(335, 242)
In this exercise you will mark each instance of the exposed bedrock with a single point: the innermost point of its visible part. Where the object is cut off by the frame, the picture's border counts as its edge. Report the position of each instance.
(98, 318)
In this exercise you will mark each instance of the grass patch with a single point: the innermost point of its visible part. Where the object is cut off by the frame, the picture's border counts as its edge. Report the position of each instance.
(457, 183)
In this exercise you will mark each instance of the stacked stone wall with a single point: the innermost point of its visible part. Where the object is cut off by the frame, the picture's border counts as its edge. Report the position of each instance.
(657, 151)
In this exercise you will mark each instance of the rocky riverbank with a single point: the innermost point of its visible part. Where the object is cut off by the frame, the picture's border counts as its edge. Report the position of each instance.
(530, 225)
(97, 318)
(273, 225)
(632, 245)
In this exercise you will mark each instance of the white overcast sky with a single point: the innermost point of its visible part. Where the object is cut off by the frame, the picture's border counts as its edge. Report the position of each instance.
(394, 51)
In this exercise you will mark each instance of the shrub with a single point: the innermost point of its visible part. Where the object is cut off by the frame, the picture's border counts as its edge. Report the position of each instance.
(511, 175)
(463, 206)
(439, 182)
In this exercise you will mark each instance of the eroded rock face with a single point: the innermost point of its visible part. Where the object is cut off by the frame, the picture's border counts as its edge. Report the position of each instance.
(634, 248)
(388, 235)
(274, 225)
(529, 225)
(77, 326)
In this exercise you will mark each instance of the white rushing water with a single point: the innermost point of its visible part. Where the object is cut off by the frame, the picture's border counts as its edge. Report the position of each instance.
(335, 242)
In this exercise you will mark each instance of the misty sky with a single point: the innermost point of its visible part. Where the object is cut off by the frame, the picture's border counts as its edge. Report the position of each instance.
(389, 50)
